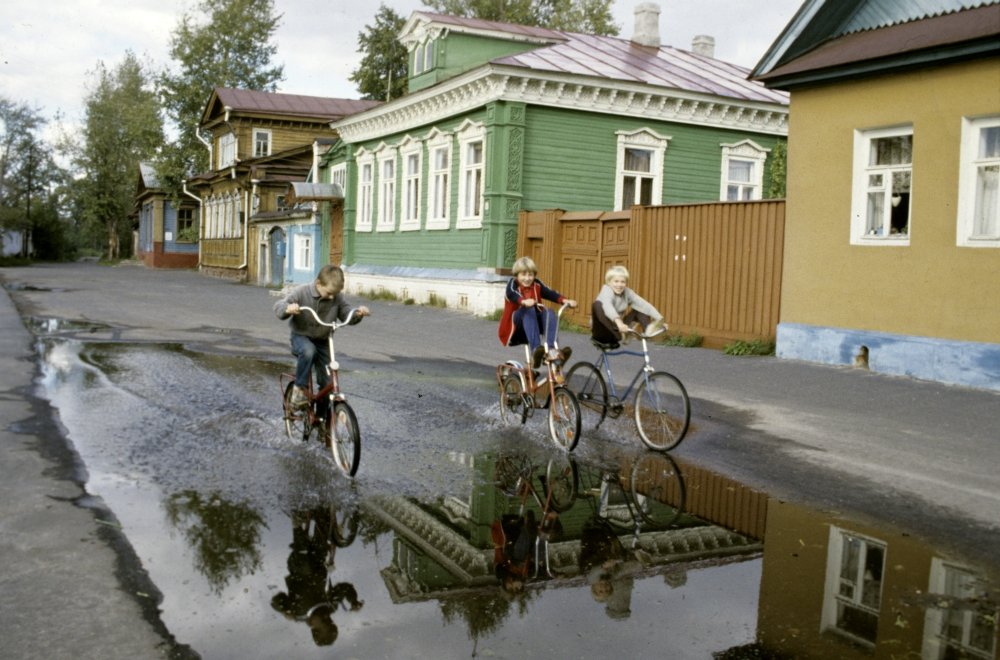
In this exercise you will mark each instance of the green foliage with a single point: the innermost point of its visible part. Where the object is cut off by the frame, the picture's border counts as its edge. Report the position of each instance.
(122, 127)
(588, 16)
(230, 47)
(434, 300)
(779, 171)
(381, 75)
(378, 294)
(687, 341)
(188, 235)
(755, 347)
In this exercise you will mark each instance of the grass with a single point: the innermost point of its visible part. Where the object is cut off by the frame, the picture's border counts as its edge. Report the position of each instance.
(685, 341)
(755, 347)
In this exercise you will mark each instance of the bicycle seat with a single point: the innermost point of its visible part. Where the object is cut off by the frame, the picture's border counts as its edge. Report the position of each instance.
(603, 346)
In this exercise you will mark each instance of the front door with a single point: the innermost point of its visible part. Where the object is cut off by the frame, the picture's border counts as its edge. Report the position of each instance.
(337, 233)
(276, 242)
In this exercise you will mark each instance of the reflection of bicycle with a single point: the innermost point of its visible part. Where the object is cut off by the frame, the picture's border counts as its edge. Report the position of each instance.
(649, 496)
(326, 411)
(661, 408)
(522, 391)
(553, 492)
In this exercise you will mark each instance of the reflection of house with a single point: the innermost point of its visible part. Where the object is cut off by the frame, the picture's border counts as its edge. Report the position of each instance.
(892, 238)
(259, 143)
(502, 118)
(831, 589)
(439, 549)
(168, 232)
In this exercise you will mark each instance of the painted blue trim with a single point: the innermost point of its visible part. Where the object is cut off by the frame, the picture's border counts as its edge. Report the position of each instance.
(973, 364)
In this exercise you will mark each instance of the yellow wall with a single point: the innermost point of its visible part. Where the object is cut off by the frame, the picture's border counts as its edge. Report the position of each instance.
(930, 288)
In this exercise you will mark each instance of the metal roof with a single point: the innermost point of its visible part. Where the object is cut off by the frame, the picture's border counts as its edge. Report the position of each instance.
(883, 13)
(317, 107)
(315, 192)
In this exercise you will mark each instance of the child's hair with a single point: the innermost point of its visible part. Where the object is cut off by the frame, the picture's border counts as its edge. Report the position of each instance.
(524, 265)
(332, 277)
(616, 271)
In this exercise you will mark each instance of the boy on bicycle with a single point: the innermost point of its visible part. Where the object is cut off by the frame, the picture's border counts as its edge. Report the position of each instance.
(617, 307)
(309, 338)
(524, 318)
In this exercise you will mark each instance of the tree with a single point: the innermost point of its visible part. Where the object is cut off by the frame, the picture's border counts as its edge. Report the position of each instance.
(382, 73)
(779, 171)
(123, 126)
(232, 49)
(587, 16)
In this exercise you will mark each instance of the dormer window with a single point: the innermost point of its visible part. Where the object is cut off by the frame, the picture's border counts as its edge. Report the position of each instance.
(423, 57)
(227, 150)
(418, 59)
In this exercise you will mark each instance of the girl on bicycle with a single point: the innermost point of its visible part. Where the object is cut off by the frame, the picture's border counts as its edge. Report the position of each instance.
(308, 338)
(524, 317)
(617, 307)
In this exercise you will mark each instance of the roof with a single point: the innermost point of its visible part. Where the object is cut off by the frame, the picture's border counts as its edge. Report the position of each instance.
(320, 108)
(609, 58)
(302, 191)
(836, 38)
(147, 176)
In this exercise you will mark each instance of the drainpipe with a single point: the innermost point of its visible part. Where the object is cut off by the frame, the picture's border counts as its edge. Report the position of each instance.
(201, 216)
(246, 231)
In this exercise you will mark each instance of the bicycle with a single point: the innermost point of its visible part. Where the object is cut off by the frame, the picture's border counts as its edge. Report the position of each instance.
(520, 388)
(661, 408)
(555, 493)
(335, 421)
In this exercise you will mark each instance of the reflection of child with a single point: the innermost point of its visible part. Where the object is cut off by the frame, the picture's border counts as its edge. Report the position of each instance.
(513, 544)
(608, 567)
(524, 318)
(617, 307)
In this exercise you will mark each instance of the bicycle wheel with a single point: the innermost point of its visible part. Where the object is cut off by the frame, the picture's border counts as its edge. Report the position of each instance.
(343, 526)
(587, 383)
(662, 411)
(345, 438)
(512, 406)
(564, 418)
(297, 425)
(509, 471)
(657, 489)
(561, 482)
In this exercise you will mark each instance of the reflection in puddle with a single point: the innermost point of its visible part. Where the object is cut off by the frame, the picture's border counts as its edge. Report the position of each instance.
(260, 550)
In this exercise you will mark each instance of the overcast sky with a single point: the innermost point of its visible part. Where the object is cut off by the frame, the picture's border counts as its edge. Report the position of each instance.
(48, 48)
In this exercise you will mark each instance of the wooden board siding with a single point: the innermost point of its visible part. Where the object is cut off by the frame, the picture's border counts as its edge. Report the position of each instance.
(711, 269)
(222, 252)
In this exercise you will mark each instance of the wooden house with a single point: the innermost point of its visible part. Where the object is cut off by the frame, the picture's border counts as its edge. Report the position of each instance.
(167, 231)
(502, 118)
(259, 143)
(892, 239)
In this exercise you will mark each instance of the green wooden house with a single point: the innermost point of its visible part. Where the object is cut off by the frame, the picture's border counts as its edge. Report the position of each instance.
(501, 118)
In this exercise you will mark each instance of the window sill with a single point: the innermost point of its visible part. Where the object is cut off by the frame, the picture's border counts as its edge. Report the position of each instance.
(886, 241)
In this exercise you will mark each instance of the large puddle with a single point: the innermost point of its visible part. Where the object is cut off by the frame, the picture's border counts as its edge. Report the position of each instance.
(461, 539)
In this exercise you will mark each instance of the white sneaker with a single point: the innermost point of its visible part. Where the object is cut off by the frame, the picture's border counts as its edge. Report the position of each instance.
(298, 398)
(655, 328)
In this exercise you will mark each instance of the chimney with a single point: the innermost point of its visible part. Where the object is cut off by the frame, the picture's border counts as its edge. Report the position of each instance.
(647, 25)
(704, 44)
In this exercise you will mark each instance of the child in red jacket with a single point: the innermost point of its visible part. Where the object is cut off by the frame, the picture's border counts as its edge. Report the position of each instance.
(525, 317)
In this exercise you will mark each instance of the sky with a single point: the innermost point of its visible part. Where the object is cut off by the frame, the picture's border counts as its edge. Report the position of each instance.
(49, 49)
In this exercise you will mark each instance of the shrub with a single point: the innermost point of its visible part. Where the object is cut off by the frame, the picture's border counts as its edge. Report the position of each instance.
(755, 347)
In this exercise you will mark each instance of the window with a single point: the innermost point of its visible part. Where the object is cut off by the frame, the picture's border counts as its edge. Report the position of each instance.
(187, 228)
(853, 596)
(418, 59)
(227, 150)
(429, 55)
(743, 171)
(412, 162)
(261, 142)
(303, 252)
(979, 171)
(338, 175)
(387, 190)
(952, 629)
(470, 191)
(439, 204)
(639, 172)
(366, 170)
(880, 200)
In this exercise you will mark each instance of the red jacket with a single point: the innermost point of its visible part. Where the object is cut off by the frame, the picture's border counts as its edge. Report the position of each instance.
(510, 334)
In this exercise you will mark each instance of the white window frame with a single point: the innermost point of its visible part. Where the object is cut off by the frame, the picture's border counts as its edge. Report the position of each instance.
(864, 179)
(303, 252)
(366, 188)
(835, 600)
(227, 150)
(338, 175)
(471, 176)
(410, 152)
(648, 140)
(440, 179)
(429, 55)
(957, 584)
(418, 59)
(971, 164)
(746, 151)
(387, 190)
(257, 151)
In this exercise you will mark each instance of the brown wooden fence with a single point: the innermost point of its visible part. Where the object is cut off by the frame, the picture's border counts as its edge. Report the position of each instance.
(712, 269)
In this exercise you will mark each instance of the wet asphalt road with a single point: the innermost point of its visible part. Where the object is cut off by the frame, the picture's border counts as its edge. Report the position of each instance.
(848, 440)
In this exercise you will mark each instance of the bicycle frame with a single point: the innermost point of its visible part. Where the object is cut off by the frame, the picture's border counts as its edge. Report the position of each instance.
(529, 383)
(332, 388)
(603, 365)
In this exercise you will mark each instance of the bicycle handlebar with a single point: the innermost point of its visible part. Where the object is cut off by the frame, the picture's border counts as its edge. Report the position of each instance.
(334, 325)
